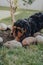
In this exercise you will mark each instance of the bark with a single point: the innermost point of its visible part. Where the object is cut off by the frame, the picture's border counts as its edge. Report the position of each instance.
(12, 9)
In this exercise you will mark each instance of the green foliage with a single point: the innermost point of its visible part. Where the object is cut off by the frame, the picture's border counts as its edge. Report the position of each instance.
(28, 1)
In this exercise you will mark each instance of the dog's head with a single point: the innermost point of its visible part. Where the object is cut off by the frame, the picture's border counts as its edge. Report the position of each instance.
(21, 29)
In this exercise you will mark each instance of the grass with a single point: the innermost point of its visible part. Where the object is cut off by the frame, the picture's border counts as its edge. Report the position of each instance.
(23, 14)
(4, 8)
(33, 55)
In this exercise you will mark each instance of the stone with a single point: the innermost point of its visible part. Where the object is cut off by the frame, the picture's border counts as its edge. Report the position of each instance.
(12, 44)
(10, 27)
(3, 26)
(28, 41)
(39, 38)
(1, 39)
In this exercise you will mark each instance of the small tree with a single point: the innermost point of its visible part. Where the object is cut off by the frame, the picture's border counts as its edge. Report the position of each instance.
(13, 8)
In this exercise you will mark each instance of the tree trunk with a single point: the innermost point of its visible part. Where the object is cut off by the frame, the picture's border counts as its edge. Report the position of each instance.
(12, 9)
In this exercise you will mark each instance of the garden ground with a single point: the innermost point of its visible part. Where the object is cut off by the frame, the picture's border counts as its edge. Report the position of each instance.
(33, 55)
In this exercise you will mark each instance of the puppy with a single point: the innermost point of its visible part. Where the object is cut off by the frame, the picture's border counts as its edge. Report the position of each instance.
(24, 28)
(21, 30)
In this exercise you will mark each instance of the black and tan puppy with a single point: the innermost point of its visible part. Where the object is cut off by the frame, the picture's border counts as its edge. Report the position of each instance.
(27, 27)
(21, 30)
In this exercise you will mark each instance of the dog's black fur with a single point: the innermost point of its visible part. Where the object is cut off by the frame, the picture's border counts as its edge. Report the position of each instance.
(32, 24)
(36, 22)
(23, 24)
